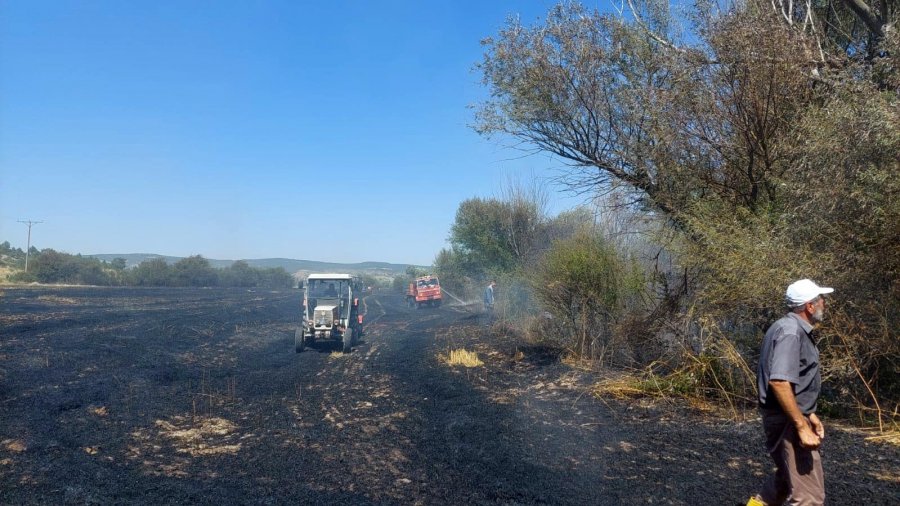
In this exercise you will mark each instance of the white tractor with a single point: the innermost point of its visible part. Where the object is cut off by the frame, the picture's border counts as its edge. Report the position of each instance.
(330, 311)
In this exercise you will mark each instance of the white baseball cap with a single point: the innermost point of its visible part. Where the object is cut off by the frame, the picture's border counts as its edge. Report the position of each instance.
(803, 291)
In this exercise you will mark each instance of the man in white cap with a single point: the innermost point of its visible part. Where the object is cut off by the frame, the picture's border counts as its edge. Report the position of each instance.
(789, 382)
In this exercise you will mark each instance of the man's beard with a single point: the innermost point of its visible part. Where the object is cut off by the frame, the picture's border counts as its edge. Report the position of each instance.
(818, 316)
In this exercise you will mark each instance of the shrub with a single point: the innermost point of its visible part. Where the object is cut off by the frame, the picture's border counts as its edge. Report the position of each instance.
(587, 287)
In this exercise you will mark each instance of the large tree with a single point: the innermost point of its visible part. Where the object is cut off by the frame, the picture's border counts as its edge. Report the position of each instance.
(627, 106)
(497, 236)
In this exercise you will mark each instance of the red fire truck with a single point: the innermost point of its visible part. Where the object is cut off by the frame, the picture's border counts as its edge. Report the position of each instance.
(424, 290)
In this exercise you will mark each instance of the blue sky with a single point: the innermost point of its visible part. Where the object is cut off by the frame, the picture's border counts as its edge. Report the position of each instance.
(332, 131)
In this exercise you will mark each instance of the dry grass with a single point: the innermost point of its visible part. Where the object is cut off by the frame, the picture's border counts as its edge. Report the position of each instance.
(623, 387)
(462, 357)
(6, 272)
(719, 374)
(889, 436)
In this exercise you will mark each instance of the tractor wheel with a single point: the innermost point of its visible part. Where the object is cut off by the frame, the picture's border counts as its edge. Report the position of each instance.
(348, 340)
(299, 341)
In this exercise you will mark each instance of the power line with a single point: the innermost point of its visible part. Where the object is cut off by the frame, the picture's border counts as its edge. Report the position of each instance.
(27, 248)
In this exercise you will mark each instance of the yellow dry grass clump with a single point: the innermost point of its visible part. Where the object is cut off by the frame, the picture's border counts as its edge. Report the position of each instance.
(6, 273)
(622, 387)
(462, 357)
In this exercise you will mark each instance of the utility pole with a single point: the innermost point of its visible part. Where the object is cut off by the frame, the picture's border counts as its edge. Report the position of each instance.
(27, 248)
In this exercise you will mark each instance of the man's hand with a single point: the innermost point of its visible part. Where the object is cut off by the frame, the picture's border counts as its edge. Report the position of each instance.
(808, 438)
(810, 432)
(817, 425)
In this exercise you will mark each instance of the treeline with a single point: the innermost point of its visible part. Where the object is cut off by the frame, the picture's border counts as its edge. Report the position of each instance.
(50, 266)
(730, 152)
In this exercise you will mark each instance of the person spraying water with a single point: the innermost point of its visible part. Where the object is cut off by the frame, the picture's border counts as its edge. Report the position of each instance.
(489, 300)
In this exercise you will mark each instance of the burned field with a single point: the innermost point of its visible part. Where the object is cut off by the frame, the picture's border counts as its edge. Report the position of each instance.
(125, 395)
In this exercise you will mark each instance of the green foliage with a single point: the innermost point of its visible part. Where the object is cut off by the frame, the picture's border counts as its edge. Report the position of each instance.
(455, 271)
(13, 257)
(400, 283)
(50, 266)
(492, 238)
(194, 271)
(239, 274)
(837, 222)
(629, 110)
(587, 287)
(496, 238)
(275, 277)
(494, 235)
(742, 263)
(413, 272)
(844, 210)
(155, 272)
(54, 267)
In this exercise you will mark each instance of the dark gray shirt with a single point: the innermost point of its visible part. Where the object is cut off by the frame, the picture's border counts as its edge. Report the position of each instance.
(789, 353)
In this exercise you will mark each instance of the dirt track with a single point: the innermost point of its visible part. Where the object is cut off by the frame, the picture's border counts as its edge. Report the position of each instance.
(196, 396)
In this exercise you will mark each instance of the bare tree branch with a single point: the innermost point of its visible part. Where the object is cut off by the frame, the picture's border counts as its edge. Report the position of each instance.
(865, 13)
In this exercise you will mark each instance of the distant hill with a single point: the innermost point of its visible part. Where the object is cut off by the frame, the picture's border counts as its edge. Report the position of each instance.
(288, 264)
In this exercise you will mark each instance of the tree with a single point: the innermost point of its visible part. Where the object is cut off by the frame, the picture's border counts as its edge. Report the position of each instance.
(91, 272)
(194, 271)
(51, 266)
(7, 250)
(239, 274)
(628, 111)
(496, 235)
(503, 238)
(11, 256)
(455, 273)
(155, 272)
(851, 26)
(414, 272)
(275, 277)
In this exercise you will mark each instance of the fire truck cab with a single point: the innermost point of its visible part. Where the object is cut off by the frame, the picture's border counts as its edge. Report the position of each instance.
(424, 290)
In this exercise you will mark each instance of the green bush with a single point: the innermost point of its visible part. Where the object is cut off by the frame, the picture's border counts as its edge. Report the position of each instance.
(587, 287)
(154, 272)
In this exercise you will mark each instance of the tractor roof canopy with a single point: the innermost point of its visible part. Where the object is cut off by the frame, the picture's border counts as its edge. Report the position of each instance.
(336, 277)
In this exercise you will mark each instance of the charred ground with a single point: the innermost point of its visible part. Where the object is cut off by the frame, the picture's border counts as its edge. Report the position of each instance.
(196, 396)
